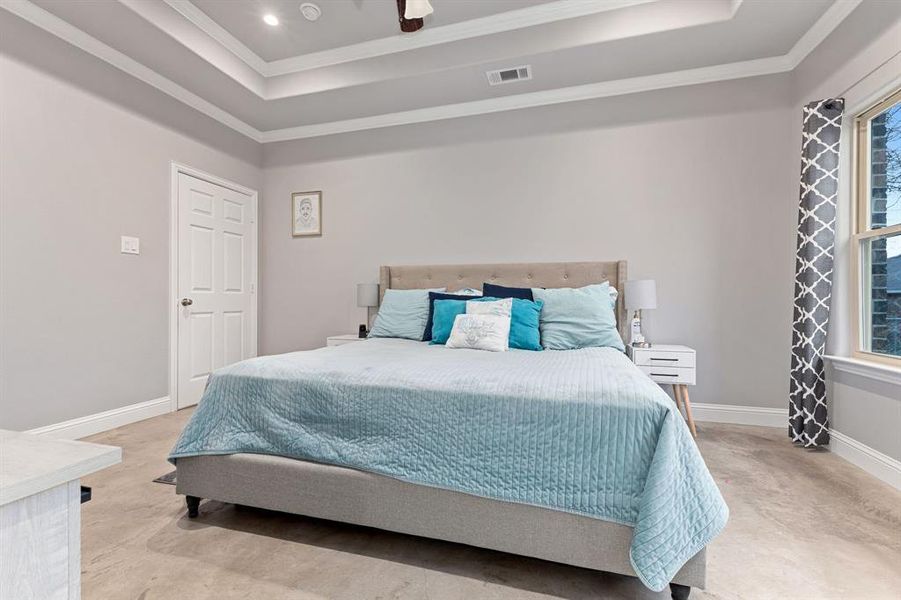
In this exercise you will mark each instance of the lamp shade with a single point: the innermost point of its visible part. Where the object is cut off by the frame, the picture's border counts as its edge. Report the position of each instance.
(367, 294)
(641, 294)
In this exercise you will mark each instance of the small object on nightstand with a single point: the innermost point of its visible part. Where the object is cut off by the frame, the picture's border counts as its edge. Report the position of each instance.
(367, 297)
(640, 294)
(669, 364)
(340, 340)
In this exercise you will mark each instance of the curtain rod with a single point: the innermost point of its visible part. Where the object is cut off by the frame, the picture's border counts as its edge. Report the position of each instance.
(876, 68)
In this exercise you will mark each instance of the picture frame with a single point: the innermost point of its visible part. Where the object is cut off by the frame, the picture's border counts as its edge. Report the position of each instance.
(306, 214)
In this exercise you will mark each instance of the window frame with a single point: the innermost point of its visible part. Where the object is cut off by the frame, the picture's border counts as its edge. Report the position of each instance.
(861, 232)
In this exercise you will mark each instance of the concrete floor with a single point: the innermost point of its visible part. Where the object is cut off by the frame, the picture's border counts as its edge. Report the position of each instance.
(804, 525)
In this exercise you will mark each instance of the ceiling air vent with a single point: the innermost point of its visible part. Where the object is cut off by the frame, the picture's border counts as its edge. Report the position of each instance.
(500, 76)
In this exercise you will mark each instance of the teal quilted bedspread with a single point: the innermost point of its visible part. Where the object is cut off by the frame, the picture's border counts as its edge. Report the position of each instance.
(582, 431)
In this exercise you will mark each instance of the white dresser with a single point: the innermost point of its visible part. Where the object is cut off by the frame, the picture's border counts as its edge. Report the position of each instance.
(40, 513)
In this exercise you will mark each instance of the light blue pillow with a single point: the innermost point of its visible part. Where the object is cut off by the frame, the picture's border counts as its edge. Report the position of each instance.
(578, 318)
(443, 314)
(403, 314)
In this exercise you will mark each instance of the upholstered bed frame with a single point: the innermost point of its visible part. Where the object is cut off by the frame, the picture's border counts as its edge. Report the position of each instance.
(530, 275)
(351, 496)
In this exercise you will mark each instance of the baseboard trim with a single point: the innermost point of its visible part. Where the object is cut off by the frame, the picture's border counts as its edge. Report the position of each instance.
(872, 461)
(740, 415)
(104, 421)
(883, 467)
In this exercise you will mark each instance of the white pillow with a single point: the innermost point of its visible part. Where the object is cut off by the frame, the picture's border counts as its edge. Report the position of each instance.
(502, 307)
(480, 332)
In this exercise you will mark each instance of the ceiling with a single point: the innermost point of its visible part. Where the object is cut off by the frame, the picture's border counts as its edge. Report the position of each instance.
(352, 69)
(343, 22)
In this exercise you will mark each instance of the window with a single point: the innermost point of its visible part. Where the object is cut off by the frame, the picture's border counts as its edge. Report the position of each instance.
(877, 237)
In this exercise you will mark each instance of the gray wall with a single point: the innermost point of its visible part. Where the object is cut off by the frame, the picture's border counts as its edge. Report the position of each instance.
(866, 410)
(861, 62)
(696, 187)
(83, 328)
(692, 186)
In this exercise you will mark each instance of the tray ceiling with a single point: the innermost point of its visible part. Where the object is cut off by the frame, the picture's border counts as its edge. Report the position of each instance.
(343, 22)
(353, 70)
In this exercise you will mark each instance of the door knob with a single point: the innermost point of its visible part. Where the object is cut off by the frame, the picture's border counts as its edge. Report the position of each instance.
(186, 302)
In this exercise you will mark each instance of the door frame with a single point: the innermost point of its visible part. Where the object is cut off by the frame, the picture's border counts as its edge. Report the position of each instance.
(177, 169)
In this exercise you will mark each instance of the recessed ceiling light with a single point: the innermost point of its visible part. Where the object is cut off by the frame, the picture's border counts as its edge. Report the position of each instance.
(270, 20)
(310, 11)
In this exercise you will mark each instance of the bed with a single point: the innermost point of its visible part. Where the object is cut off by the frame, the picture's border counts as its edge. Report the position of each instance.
(569, 456)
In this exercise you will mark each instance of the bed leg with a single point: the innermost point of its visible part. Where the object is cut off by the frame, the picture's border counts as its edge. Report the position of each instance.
(193, 503)
(679, 591)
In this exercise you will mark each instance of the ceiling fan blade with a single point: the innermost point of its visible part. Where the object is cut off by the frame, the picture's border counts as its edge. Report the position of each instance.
(417, 9)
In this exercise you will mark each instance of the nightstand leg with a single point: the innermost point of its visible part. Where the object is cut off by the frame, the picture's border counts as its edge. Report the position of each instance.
(677, 397)
(688, 417)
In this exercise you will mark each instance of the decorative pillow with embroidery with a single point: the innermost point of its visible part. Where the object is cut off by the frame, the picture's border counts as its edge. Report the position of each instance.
(502, 307)
(480, 332)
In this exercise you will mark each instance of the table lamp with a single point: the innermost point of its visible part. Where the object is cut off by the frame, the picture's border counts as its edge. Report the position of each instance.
(367, 297)
(641, 294)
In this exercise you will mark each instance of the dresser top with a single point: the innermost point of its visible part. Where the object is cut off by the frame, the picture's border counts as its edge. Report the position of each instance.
(30, 464)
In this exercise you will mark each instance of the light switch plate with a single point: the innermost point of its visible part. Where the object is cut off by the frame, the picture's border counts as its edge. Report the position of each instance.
(131, 245)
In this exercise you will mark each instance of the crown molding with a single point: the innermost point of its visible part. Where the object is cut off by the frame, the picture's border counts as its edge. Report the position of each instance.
(65, 31)
(169, 21)
(603, 89)
(199, 19)
(541, 14)
(825, 25)
(765, 66)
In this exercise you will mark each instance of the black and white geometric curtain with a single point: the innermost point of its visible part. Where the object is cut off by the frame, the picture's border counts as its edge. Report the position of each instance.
(808, 423)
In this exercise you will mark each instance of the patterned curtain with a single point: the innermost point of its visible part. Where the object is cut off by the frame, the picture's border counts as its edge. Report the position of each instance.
(808, 423)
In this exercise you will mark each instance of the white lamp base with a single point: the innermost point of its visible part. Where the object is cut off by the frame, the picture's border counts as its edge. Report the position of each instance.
(638, 340)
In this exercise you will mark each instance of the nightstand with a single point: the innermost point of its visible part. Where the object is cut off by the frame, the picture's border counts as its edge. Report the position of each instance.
(340, 340)
(670, 364)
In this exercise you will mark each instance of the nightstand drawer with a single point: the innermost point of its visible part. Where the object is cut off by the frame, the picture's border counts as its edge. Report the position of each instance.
(685, 376)
(648, 357)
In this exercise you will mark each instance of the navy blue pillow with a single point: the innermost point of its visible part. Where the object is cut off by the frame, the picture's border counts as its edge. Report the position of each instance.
(500, 291)
(427, 334)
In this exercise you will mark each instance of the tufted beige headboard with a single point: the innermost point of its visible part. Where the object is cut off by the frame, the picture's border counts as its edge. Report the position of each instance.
(546, 275)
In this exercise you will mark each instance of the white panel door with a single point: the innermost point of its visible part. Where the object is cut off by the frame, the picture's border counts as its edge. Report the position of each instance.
(216, 274)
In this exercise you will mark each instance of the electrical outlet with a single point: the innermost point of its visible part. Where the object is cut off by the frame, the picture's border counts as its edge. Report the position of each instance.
(131, 245)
